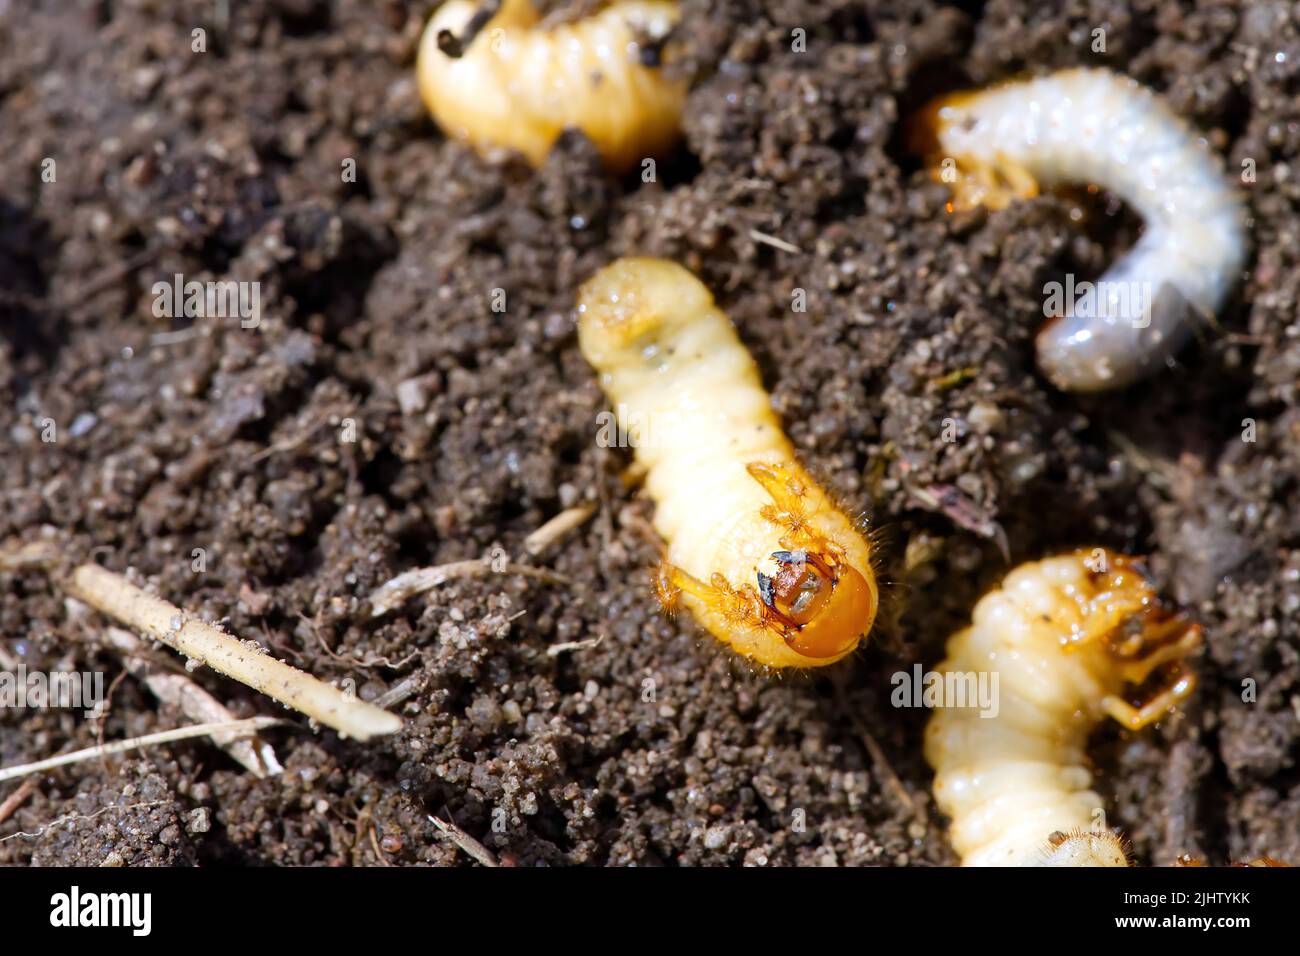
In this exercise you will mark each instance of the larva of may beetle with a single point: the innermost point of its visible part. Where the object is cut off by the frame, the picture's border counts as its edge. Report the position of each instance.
(1065, 636)
(756, 550)
(1081, 847)
(1095, 127)
(516, 85)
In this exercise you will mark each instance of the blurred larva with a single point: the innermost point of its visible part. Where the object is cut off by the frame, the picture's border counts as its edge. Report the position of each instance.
(1266, 862)
(731, 498)
(1065, 636)
(1081, 847)
(518, 86)
(1099, 128)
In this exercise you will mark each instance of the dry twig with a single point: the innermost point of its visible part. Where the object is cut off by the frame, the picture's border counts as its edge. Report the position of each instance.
(17, 798)
(774, 242)
(195, 703)
(117, 597)
(236, 727)
(393, 594)
(555, 650)
(557, 528)
(466, 842)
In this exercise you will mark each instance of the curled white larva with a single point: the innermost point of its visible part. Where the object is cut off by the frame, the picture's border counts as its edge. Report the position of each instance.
(518, 85)
(756, 550)
(1064, 637)
(1095, 127)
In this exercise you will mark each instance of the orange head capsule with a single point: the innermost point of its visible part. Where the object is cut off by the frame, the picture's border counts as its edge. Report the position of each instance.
(821, 609)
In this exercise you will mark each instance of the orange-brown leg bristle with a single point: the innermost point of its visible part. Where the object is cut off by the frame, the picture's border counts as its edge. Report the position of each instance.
(740, 606)
(783, 482)
(668, 593)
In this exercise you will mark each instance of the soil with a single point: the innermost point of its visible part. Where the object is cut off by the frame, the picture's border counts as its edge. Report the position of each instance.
(174, 434)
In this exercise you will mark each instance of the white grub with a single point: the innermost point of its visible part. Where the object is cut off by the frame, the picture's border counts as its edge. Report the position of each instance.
(1065, 636)
(731, 498)
(517, 84)
(1092, 126)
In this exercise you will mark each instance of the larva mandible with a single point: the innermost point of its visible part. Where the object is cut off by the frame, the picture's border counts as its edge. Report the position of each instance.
(516, 85)
(756, 550)
(1095, 127)
(1066, 636)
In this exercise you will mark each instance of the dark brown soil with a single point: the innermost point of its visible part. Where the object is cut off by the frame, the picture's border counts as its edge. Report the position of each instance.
(227, 164)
